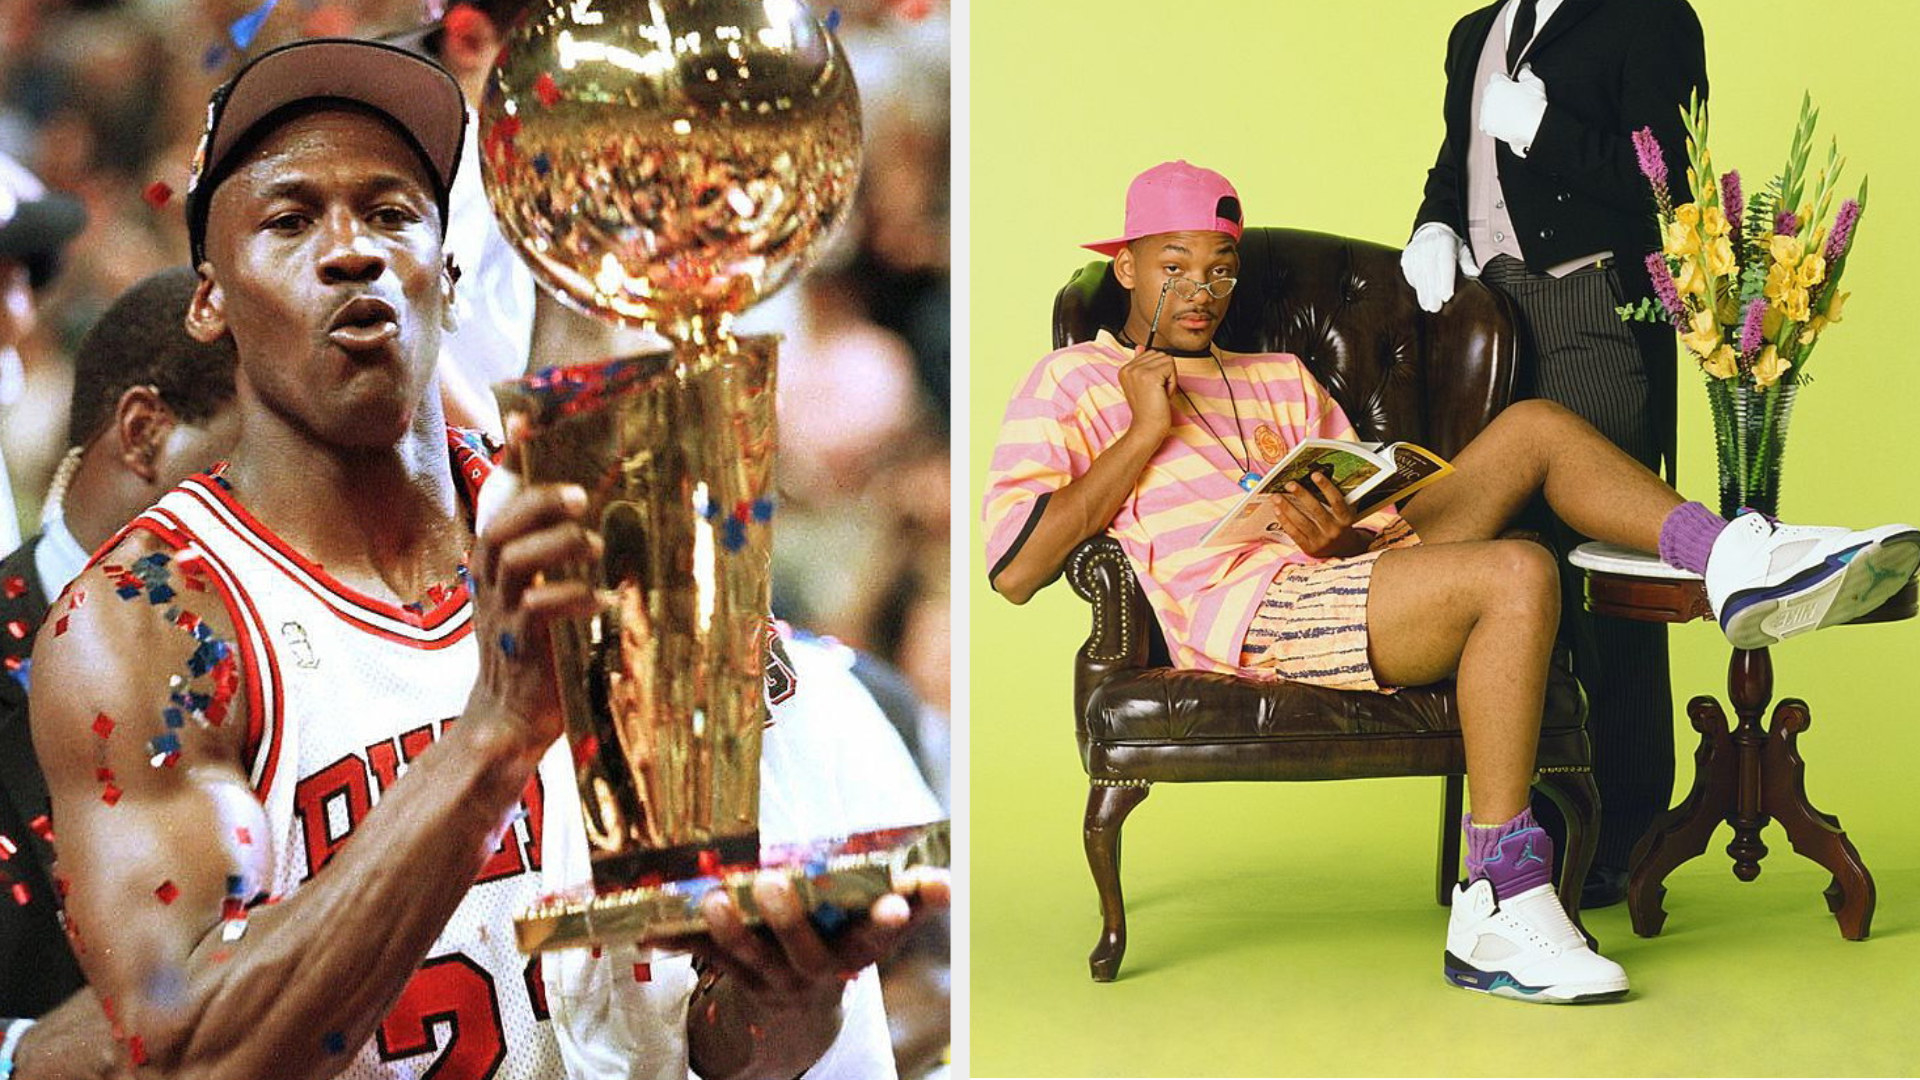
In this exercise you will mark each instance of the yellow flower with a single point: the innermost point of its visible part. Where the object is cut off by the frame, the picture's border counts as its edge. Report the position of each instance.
(1713, 221)
(1705, 335)
(1779, 280)
(1770, 322)
(1812, 271)
(1812, 329)
(1719, 257)
(1769, 366)
(1832, 314)
(1796, 301)
(1691, 278)
(1786, 250)
(1680, 241)
(1723, 364)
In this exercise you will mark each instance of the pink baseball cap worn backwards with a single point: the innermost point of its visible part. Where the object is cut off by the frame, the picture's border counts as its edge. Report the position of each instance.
(1176, 197)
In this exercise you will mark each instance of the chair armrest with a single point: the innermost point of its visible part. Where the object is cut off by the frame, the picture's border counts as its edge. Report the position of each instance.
(1121, 635)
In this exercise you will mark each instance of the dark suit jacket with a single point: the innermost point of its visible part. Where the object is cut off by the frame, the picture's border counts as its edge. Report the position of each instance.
(37, 969)
(1611, 67)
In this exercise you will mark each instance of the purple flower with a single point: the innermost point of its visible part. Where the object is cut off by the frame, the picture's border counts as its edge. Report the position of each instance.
(1732, 200)
(1752, 332)
(1653, 165)
(1842, 237)
(1664, 288)
(1785, 224)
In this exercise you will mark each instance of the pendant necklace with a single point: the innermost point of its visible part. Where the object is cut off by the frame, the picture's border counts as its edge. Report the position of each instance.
(1248, 478)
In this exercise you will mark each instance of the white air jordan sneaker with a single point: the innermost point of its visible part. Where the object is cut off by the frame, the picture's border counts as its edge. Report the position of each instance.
(1769, 582)
(1525, 948)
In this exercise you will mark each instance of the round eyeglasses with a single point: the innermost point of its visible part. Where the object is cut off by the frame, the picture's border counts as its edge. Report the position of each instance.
(1218, 288)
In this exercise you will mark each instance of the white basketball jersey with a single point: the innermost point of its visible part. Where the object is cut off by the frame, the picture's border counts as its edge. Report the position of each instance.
(343, 691)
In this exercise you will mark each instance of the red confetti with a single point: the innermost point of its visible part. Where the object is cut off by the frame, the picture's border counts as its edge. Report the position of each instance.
(17, 628)
(15, 587)
(103, 774)
(61, 885)
(60, 625)
(110, 796)
(7, 847)
(243, 834)
(709, 861)
(642, 972)
(158, 194)
(596, 948)
(507, 127)
(20, 893)
(137, 1049)
(42, 827)
(102, 725)
(545, 90)
(12, 664)
(168, 892)
(233, 908)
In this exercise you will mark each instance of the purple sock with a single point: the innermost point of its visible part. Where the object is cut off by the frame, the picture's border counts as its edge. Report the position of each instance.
(1687, 536)
(1513, 856)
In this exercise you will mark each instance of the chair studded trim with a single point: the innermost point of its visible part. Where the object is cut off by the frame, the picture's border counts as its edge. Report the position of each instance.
(1080, 566)
(1097, 782)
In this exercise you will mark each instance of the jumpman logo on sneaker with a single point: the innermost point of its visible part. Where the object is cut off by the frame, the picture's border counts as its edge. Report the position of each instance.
(1528, 853)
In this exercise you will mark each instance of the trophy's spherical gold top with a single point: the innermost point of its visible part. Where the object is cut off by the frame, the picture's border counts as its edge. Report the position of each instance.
(668, 163)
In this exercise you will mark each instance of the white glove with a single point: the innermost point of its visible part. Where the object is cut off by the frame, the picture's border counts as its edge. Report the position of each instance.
(1510, 110)
(1429, 261)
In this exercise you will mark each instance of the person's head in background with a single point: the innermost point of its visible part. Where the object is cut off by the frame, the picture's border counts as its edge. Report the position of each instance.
(466, 38)
(35, 226)
(151, 406)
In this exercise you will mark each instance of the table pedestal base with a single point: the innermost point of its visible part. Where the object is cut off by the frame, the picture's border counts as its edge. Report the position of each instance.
(1747, 776)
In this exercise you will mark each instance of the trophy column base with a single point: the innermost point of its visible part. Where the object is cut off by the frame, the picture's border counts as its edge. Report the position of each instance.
(846, 874)
(657, 866)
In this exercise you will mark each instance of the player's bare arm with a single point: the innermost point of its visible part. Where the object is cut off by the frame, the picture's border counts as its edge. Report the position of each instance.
(165, 848)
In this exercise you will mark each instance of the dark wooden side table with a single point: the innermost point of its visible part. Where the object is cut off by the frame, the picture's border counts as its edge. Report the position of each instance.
(1745, 776)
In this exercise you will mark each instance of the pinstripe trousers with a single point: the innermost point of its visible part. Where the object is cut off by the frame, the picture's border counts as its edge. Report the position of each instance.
(1577, 352)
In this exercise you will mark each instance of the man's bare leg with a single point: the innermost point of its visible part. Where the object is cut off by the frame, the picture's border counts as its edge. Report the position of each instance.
(1484, 612)
(1540, 447)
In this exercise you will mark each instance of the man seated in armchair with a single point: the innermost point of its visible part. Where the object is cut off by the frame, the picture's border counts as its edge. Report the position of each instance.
(1151, 432)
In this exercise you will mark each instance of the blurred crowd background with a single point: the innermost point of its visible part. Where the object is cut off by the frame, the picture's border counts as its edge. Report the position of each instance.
(105, 99)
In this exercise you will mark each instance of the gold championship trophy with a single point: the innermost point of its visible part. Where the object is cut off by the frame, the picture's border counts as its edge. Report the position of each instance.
(667, 164)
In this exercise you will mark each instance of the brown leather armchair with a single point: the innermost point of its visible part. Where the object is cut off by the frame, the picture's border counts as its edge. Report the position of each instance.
(1400, 373)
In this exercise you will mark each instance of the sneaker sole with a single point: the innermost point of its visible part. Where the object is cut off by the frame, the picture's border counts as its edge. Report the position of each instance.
(1847, 585)
(1501, 984)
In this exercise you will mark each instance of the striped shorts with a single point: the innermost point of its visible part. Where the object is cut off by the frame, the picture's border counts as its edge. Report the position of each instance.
(1312, 624)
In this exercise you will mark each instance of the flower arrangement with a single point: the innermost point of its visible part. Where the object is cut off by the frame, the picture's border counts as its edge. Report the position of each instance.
(1749, 284)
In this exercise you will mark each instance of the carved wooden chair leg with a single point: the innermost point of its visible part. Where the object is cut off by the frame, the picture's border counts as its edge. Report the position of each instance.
(1453, 801)
(1107, 809)
(1578, 798)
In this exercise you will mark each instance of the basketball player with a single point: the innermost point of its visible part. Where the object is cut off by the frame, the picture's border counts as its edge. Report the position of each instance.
(291, 653)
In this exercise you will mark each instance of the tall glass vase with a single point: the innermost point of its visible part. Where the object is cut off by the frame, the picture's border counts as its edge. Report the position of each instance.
(1750, 439)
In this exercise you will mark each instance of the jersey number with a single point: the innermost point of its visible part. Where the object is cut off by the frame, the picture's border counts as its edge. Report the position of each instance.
(455, 991)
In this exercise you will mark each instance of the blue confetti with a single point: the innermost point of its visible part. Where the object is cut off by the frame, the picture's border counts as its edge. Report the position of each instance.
(763, 510)
(833, 20)
(159, 594)
(335, 1043)
(829, 920)
(168, 743)
(127, 592)
(175, 718)
(21, 674)
(542, 166)
(246, 26)
(215, 55)
(236, 885)
(733, 534)
(509, 645)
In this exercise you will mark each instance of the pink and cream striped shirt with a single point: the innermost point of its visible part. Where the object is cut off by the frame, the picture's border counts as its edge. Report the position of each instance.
(1071, 408)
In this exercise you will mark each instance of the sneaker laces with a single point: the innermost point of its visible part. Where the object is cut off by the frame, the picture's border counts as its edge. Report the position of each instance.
(1539, 909)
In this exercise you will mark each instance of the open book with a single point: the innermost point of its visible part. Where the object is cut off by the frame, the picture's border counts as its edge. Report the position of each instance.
(1371, 475)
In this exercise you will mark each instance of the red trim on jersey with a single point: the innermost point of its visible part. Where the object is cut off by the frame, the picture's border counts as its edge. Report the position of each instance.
(265, 720)
(448, 623)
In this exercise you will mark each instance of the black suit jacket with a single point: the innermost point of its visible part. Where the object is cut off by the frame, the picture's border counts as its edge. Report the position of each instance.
(1611, 67)
(37, 968)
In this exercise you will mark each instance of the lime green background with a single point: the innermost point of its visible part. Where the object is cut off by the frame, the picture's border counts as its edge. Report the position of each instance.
(1290, 929)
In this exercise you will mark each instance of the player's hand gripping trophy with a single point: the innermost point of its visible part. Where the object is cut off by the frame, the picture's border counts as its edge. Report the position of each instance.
(667, 164)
